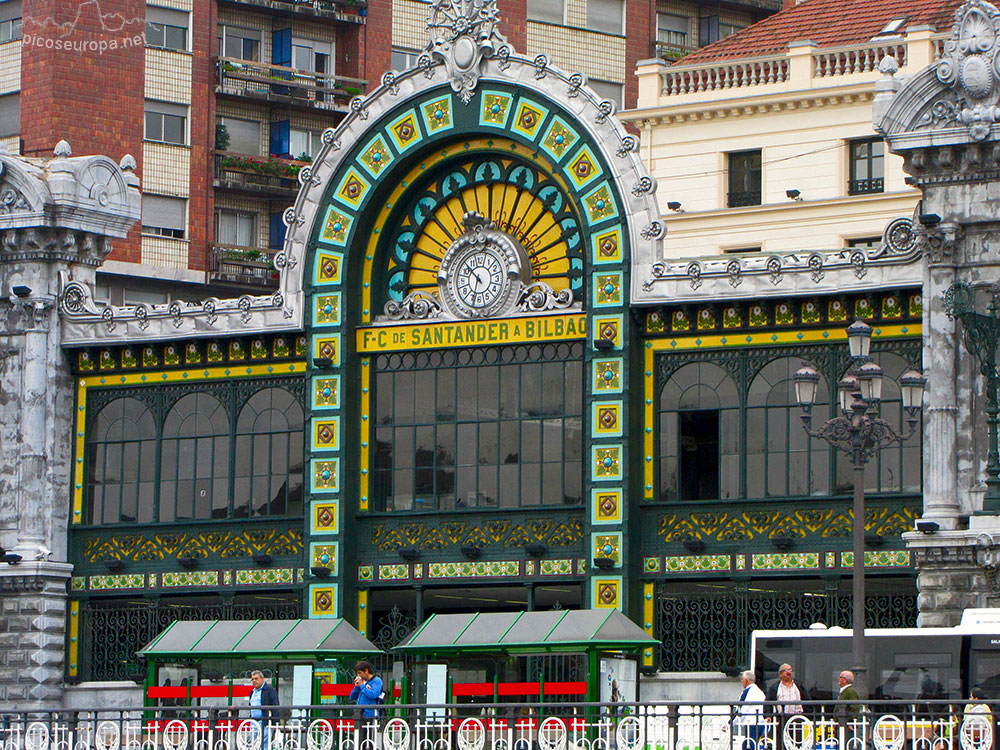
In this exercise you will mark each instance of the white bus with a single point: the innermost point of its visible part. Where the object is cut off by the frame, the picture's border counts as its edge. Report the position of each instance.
(902, 663)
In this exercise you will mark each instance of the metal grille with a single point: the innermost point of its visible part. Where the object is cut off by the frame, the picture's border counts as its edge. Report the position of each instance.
(710, 631)
(114, 630)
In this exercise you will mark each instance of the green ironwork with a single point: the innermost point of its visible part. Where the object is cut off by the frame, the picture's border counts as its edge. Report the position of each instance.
(113, 630)
(981, 334)
(707, 627)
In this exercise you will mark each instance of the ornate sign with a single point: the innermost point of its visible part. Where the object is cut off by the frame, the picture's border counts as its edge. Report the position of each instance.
(463, 34)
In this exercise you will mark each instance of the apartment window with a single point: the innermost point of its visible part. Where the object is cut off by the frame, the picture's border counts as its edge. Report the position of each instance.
(608, 90)
(311, 56)
(244, 135)
(728, 29)
(10, 114)
(144, 297)
(744, 179)
(867, 157)
(239, 43)
(606, 15)
(303, 144)
(672, 29)
(756, 249)
(10, 21)
(166, 123)
(166, 28)
(548, 11)
(235, 228)
(163, 216)
(403, 59)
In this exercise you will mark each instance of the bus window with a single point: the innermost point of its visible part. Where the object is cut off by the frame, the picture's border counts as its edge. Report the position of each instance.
(986, 673)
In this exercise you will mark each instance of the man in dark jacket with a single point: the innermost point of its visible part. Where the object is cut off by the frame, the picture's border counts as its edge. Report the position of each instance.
(262, 696)
(785, 696)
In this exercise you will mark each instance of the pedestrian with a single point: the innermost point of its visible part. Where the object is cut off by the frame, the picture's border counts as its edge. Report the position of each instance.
(980, 732)
(367, 689)
(849, 693)
(750, 712)
(785, 697)
(262, 696)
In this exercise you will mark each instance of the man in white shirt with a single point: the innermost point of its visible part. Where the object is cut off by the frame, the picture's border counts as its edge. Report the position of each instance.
(785, 696)
(750, 712)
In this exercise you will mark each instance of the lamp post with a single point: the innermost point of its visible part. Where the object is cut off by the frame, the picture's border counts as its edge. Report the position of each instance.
(981, 333)
(861, 434)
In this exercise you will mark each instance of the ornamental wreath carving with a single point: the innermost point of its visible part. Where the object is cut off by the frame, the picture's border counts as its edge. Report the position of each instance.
(970, 64)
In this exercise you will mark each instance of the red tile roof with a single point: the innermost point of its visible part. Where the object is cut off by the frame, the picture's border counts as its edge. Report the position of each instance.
(828, 23)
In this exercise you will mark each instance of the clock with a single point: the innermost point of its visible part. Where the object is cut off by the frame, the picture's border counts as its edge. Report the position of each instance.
(483, 271)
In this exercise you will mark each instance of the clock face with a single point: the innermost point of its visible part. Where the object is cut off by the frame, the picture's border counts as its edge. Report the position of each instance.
(480, 278)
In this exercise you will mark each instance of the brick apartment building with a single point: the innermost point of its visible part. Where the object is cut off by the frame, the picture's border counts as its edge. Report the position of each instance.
(221, 102)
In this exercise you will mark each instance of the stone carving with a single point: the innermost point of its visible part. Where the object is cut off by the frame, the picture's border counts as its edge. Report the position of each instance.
(540, 296)
(971, 65)
(416, 306)
(463, 34)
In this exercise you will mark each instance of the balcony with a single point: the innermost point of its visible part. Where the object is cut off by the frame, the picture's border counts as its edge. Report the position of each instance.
(246, 266)
(347, 11)
(671, 53)
(743, 198)
(863, 187)
(284, 86)
(257, 175)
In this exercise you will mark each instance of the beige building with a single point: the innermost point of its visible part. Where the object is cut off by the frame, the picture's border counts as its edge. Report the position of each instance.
(775, 152)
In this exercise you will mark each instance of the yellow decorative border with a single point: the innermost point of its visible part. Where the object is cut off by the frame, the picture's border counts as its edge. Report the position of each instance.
(195, 375)
(648, 602)
(73, 660)
(363, 612)
(366, 430)
(729, 341)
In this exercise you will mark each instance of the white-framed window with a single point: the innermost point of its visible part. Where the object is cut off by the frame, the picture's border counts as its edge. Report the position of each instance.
(403, 58)
(728, 29)
(606, 15)
(235, 228)
(672, 29)
(10, 21)
(547, 11)
(303, 143)
(10, 114)
(166, 122)
(244, 135)
(312, 56)
(164, 216)
(166, 28)
(609, 90)
(239, 43)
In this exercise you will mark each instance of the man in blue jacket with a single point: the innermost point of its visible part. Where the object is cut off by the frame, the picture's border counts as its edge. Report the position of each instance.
(367, 689)
(262, 696)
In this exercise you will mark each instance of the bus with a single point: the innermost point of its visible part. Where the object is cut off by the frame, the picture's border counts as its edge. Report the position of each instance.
(902, 663)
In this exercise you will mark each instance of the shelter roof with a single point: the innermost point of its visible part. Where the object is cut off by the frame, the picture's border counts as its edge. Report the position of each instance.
(526, 632)
(827, 23)
(282, 639)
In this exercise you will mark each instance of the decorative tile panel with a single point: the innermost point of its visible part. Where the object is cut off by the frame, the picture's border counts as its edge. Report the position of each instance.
(190, 578)
(607, 418)
(323, 601)
(608, 375)
(366, 573)
(336, 227)
(405, 131)
(326, 434)
(529, 118)
(582, 168)
(325, 554)
(607, 289)
(437, 114)
(326, 392)
(326, 309)
(879, 559)
(495, 109)
(651, 564)
(606, 246)
(327, 347)
(398, 572)
(608, 328)
(328, 267)
(607, 462)
(265, 577)
(608, 545)
(606, 592)
(785, 561)
(695, 563)
(559, 138)
(549, 567)
(606, 505)
(600, 204)
(478, 569)
(326, 475)
(352, 189)
(376, 156)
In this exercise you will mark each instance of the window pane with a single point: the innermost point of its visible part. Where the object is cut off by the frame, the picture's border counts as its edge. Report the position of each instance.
(549, 11)
(605, 15)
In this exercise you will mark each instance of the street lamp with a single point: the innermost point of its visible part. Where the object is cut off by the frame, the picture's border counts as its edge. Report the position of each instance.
(982, 336)
(861, 434)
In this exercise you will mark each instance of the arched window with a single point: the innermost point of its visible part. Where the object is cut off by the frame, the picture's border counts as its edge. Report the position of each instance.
(782, 461)
(121, 444)
(268, 461)
(699, 432)
(194, 459)
(896, 468)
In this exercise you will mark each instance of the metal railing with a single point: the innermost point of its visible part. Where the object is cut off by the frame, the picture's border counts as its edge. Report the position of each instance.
(265, 81)
(831, 725)
(257, 174)
(342, 10)
(253, 266)
(871, 185)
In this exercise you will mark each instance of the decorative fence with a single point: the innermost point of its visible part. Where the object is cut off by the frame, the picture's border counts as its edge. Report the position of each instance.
(926, 725)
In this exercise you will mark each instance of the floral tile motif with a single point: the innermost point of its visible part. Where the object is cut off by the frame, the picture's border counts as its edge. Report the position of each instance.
(301, 346)
(335, 227)
(258, 349)
(326, 475)
(495, 110)
(810, 312)
(214, 352)
(328, 267)
(891, 308)
(279, 347)
(706, 319)
(117, 582)
(608, 545)
(695, 563)
(916, 306)
(150, 357)
(478, 569)
(366, 573)
(352, 189)
(785, 561)
(606, 246)
(85, 362)
(607, 462)
(556, 567)
(325, 555)
(190, 578)
(608, 329)
(783, 315)
(78, 583)
(398, 572)
(836, 311)
(608, 375)
(376, 156)
(326, 434)
(326, 392)
(879, 559)
(758, 316)
(600, 205)
(227, 578)
(438, 114)
(529, 118)
(741, 562)
(107, 360)
(404, 131)
(651, 564)
(607, 289)
(679, 321)
(582, 169)
(830, 560)
(265, 576)
(529, 567)
(581, 567)
(559, 138)
(236, 351)
(129, 359)
(864, 309)
(655, 322)
(731, 317)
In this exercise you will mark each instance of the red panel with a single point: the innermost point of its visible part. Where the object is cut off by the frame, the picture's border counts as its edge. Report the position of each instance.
(210, 691)
(171, 691)
(460, 689)
(242, 691)
(519, 688)
(327, 690)
(565, 688)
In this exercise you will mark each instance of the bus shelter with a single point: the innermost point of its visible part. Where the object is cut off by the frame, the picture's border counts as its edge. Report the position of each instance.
(209, 662)
(507, 657)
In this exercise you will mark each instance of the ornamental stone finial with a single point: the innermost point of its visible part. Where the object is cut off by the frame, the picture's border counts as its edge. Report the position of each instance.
(463, 34)
(62, 149)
